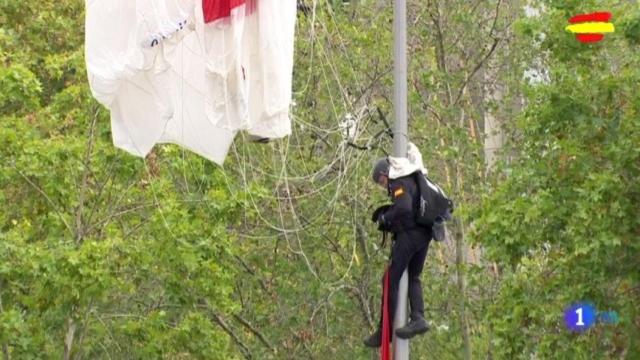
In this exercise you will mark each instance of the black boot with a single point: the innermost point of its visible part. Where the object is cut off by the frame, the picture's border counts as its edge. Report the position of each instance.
(374, 340)
(417, 325)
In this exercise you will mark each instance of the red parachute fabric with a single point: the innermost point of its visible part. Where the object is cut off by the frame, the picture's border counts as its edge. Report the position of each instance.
(219, 9)
(386, 327)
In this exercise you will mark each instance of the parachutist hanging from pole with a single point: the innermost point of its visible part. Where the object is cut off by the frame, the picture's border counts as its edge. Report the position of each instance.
(408, 249)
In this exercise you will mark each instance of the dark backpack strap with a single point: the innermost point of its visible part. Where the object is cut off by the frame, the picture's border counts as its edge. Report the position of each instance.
(384, 239)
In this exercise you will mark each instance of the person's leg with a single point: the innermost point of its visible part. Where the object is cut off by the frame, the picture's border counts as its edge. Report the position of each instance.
(381, 300)
(402, 250)
(416, 264)
(417, 324)
(400, 254)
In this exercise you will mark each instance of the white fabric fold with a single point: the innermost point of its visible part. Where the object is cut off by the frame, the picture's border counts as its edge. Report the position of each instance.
(167, 77)
(403, 166)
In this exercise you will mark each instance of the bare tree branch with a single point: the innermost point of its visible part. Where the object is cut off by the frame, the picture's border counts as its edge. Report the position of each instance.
(479, 65)
(80, 230)
(243, 347)
(475, 70)
(51, 203)
(68, 339)
(246, 266)
(254, 330)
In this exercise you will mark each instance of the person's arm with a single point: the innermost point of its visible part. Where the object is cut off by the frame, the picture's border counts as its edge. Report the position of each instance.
(400, 209)
(375, 217)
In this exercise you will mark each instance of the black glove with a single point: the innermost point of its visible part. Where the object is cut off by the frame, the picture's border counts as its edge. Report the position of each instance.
(378, 212)
(376, 217)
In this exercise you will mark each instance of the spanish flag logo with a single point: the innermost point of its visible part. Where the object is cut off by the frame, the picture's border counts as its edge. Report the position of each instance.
(590, 28)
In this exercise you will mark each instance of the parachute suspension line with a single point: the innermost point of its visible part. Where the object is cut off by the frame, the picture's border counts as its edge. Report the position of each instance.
(255, 205)
(334, 72)
(300, 252)
(157, 203)
(307, 177)
(335, 112)
(182, 115)
(281, 229)
(353, 257)
(283, 178)
(344, 160)
(343, 175)
(311, 40)
(343, 92)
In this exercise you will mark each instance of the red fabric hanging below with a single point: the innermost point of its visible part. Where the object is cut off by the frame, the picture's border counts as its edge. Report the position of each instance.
(220, 9)
(386, 327)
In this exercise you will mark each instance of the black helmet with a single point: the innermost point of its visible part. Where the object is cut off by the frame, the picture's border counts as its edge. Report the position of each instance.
(380, 168)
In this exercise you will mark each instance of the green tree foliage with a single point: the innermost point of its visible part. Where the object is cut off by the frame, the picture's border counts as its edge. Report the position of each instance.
(562, 221)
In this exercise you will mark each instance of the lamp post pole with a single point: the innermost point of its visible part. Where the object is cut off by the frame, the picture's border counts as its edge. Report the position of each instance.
(400, 136)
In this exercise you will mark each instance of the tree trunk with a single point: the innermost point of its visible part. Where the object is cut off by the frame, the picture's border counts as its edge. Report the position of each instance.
(496, 89)
(68, 340)
(461, 263)
(492, 125)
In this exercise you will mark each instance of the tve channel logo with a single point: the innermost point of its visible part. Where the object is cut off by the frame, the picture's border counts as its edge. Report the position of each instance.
(581, 316)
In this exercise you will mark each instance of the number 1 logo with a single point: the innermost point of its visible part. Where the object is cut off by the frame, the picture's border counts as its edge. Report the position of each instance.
(580, 317)
(580, 322)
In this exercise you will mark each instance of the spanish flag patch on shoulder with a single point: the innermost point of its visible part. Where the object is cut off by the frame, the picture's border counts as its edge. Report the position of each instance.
(398, 192)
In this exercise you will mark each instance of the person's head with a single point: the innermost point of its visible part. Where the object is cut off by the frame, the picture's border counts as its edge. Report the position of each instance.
(380, 174)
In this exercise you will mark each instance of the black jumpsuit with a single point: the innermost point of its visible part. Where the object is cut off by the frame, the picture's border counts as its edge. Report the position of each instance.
(409, 248)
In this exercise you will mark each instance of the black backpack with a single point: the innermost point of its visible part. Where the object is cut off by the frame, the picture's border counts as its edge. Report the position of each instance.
(433, 205)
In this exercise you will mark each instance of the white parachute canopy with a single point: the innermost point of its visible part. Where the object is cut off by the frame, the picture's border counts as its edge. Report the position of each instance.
(191, 72)
(403, 166)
